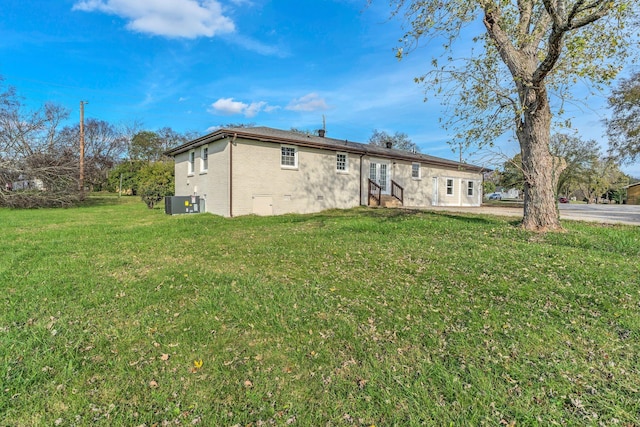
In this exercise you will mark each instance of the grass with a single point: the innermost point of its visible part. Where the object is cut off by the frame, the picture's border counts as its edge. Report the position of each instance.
(359, 317)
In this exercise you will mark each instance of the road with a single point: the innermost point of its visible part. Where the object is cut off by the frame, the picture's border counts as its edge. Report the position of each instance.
(610, 214)
(604, 214)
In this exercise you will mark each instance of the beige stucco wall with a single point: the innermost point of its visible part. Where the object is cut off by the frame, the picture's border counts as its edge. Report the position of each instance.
(420, 192)
(213, 184)
(315, 185)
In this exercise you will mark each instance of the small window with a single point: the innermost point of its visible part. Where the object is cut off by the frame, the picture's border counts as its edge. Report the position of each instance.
(204, 159)
(470, 188)
(341, 162)
(192, 161)
(288, 157)
(449, 187)
(415, 171)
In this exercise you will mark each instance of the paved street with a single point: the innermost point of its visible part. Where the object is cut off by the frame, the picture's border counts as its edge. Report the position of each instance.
(607, 214)
(611, 214)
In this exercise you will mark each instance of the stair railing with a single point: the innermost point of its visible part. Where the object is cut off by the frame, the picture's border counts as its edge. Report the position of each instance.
(397, 191)
(375, 192)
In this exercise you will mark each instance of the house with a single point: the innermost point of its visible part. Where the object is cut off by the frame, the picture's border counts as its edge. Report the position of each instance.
(265, 171)
(633, 194)
(24, 183)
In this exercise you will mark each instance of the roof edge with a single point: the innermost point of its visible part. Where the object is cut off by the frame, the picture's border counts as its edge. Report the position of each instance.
(359, 148)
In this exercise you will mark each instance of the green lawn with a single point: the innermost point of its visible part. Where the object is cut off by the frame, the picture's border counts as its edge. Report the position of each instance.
(360, 317)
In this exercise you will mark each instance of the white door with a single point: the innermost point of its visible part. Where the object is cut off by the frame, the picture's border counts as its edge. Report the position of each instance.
(434, 200)
(379, 173)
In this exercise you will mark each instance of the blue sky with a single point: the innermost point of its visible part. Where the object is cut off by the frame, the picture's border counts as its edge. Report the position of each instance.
(196, 64)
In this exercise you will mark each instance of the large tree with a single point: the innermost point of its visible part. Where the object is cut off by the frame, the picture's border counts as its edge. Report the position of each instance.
(528, 51)
(624, 126)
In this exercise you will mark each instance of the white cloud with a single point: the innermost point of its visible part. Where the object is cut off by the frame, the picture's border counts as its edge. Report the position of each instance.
(259, 47)
(170, 18)
(310, 102)
(229, 107)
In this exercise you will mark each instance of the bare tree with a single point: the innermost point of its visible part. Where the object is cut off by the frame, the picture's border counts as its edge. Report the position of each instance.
(36, 170)
(399, 141)
(105, 145)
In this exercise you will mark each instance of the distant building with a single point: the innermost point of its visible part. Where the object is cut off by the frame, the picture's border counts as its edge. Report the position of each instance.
(23, 183)
(633, 194)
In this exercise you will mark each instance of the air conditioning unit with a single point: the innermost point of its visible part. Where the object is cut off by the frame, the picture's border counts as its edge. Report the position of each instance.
(175, 205)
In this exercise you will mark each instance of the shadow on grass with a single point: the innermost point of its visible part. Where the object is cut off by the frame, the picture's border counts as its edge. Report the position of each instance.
(391, 215)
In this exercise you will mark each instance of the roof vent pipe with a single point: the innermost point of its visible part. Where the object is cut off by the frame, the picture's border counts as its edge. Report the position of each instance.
(321, 133)
(389, 144)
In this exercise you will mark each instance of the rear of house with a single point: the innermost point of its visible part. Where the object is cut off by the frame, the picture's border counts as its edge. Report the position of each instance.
(264, 171)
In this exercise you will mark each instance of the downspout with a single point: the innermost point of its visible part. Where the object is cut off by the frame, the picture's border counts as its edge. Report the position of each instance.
(233, 140)
(360, 202)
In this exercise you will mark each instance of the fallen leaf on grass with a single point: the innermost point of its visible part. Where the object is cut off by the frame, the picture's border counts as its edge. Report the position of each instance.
(153, 384)
(164, 357)
(197, 364)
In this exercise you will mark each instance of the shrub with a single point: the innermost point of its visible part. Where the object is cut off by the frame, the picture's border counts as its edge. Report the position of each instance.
(155, 181)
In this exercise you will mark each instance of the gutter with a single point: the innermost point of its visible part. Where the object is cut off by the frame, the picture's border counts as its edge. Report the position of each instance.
(360, 201)
(231, 143)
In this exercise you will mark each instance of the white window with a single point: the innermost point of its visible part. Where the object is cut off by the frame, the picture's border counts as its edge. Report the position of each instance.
(288, 157)
(204, 158)
(192, 161)
(449, 187)
(415, 171)
(470, 188)
(341, 162)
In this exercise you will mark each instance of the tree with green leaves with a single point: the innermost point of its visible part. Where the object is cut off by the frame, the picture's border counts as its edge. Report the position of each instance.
(155, 181)
(602, 177)
(579, 156)
(399, 141)
(530, 50)
(512, 175)
(624, 126)
(146, 146)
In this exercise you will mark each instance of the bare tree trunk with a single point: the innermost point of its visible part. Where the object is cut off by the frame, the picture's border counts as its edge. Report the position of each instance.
(541, 169)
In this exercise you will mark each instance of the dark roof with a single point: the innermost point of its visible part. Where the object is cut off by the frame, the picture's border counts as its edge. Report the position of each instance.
(266, 134)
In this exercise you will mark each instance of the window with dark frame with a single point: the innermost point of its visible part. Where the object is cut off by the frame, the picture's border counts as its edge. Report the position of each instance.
(205, 158)
(192, 161)
(449, 187)
(415, 170)
(470, 188)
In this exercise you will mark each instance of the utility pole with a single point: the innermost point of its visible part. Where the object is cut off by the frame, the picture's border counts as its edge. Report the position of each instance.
(81, 184)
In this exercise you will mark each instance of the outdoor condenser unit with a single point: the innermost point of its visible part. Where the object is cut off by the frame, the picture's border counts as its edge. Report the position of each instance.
(174, 205)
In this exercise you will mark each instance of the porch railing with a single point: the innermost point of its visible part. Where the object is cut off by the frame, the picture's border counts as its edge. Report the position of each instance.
(375, 193)
(397, 191)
